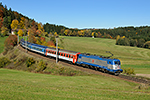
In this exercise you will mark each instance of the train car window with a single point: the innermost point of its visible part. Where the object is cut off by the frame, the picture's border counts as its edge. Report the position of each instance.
(66, 55)
(71, 56)
(59, 53)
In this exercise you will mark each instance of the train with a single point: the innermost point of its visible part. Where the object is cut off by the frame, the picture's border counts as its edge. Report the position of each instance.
(105, 64)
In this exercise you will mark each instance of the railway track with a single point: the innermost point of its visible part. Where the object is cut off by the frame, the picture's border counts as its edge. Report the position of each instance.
(122, 77)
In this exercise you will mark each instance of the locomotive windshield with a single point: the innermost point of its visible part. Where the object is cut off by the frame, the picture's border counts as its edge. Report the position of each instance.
(117, 62)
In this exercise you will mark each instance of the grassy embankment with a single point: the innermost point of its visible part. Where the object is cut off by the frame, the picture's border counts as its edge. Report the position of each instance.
(2, 39)
(137, 58)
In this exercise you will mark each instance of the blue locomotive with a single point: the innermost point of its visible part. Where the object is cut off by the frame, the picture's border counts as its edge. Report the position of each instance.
(106, 64)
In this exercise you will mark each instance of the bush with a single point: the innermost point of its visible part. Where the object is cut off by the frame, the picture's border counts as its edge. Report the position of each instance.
(133, 42)
(30, 61)
(128, 71)
(4, 61)
(147, 45)
(141, 43)
(123, 41)
(10, 42)
(41, 66)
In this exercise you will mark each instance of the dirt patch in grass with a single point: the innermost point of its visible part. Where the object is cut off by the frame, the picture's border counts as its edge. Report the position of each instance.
(144, 75)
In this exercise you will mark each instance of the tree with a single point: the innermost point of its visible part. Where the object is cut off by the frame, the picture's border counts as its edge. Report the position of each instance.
(22, 23)
(141, 42)
(5, 22)
(55, 34)
(20, 32)
(117, 38)
(14, 24)
(4, 31)
(1, 22)
(26, 24)
(1, 11)
(66, 32)
(147, 45)
(10, 42)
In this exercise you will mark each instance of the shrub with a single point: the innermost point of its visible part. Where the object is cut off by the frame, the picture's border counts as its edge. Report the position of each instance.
(128, 71)
(41, 66)
(31, 38)
(53, 39)
(141, 42)
(30, 61)
(4, 61)
(120, 41)
(10, 42)
(117, 38)
(147, 45)
(21, 60)
(12, 56)
(133, 42)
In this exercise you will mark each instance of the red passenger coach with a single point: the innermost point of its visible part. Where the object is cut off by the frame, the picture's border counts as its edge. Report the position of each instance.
(63, 54)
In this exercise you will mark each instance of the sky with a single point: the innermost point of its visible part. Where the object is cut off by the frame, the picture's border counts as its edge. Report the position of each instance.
(85, 13)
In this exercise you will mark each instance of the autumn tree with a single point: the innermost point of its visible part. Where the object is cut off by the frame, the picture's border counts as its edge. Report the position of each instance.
(117, 38)
(20, 32)
(4, 31)
(22, 23)
(14, 24)
(55, 34)
(10, 42)
(1, 22)
(26, 24)
(94, 34)
(66, 32)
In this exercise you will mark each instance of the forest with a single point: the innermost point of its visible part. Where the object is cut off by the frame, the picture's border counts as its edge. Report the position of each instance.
(22, 25)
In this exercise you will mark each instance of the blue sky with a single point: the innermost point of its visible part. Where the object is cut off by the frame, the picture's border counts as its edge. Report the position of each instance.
(85, 13)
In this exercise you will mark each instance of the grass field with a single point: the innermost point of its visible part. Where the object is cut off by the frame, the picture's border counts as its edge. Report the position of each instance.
(2, 39)
(23, 85)
(137, 58)
(17, 85)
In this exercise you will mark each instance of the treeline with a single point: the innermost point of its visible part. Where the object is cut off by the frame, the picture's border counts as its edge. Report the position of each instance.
(131, 32)
(142, 43)
(6, 18)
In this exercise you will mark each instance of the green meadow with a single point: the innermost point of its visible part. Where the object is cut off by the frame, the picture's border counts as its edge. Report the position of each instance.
(20, 85)
(131, 57)
(2, 39)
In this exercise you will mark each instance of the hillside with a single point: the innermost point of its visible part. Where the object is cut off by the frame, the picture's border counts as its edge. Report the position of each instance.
(137, 58)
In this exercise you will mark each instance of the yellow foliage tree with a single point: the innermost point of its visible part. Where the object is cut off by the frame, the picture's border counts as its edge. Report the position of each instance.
(20, 32)
(118, 37)
(14, 24)
(40, 27)
(4, 31)
(66, 32)
(55, 34)
(123, 37)
(22, 23)
(93, 33)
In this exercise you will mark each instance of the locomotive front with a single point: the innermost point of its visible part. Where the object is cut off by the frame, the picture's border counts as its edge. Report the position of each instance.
(117, 66)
